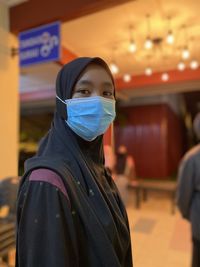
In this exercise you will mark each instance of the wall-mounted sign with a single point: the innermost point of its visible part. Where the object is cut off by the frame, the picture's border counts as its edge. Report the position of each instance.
(39, 45)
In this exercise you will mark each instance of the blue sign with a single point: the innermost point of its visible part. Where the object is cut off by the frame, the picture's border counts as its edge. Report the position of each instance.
(39, 45)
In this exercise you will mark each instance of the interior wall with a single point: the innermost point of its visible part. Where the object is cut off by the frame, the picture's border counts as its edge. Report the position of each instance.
(9, 114)
(176, 139)
(151, 134)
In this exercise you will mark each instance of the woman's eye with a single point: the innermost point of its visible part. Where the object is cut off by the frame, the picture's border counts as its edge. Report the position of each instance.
(83, 91)
(108, 93)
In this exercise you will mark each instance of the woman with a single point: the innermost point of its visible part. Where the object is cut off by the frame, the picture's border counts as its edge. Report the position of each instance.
(69, 211)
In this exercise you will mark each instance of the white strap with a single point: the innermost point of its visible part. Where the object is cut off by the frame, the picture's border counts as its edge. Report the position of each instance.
(60, 99)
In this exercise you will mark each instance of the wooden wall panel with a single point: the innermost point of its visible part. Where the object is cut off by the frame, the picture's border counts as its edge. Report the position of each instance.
(150, 134)
(176, 137)
(108, 136)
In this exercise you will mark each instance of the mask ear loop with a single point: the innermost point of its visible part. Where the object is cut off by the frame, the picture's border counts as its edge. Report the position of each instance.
(60, 99)
(61, 109)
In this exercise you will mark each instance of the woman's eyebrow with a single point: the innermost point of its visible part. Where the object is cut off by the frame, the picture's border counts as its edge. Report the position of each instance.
(89, 83)
(109, 84)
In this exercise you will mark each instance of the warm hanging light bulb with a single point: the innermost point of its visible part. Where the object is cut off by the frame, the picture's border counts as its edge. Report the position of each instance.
(185, 53)
(148, 43)
(194, 64)
(114, 68)
(132, 46)
(170, 37)
(165, 77)
(181, 66)
(148, 71)
(127, 77)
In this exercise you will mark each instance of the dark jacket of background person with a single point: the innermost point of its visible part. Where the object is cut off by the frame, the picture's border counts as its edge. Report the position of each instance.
(79, 219)
(188, 198)
(188, 195)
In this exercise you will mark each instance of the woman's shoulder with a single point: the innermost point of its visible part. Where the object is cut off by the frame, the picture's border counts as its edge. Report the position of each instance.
(42, 189)
(44, 175)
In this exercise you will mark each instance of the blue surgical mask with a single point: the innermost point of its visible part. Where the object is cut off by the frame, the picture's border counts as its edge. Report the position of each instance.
(89, 117)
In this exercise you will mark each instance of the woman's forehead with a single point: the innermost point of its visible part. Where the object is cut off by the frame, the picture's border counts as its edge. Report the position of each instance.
(96, 72)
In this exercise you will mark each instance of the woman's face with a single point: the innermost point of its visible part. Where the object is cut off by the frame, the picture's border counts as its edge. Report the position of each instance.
(94, 81)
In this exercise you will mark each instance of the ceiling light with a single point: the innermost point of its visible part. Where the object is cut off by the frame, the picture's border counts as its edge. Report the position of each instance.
(132, 47)
(114, 68)
(194, 64)
(148, 71)
(127, 78)
(165, 77)
(181, 66)
(170, 37)
(148, 43)
(185, 53)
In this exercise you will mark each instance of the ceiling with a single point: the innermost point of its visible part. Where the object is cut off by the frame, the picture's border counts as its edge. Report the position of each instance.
(12, 3)
(38, 77)
(107, 34)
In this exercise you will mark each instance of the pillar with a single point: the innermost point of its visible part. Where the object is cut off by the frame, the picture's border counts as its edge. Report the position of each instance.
(9, 111)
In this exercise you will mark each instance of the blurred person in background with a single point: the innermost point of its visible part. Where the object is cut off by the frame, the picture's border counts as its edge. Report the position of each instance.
(125, 164)
(69, 212)
(188, 194)
(124, 171)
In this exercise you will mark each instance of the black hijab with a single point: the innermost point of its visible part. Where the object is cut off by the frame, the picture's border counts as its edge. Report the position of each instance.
(81, 163)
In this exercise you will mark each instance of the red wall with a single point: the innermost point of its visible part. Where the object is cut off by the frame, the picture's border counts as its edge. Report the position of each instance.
(153, 137)
(175, 139)
(108, 136)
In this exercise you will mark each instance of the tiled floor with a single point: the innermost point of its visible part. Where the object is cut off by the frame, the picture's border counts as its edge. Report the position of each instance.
(159, 239)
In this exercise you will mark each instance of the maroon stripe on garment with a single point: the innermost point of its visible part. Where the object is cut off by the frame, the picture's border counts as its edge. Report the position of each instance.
(49, 176)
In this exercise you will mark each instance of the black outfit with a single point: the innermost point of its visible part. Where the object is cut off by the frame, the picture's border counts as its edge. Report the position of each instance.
(121, 163)
(196, 253)
(91, 229)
